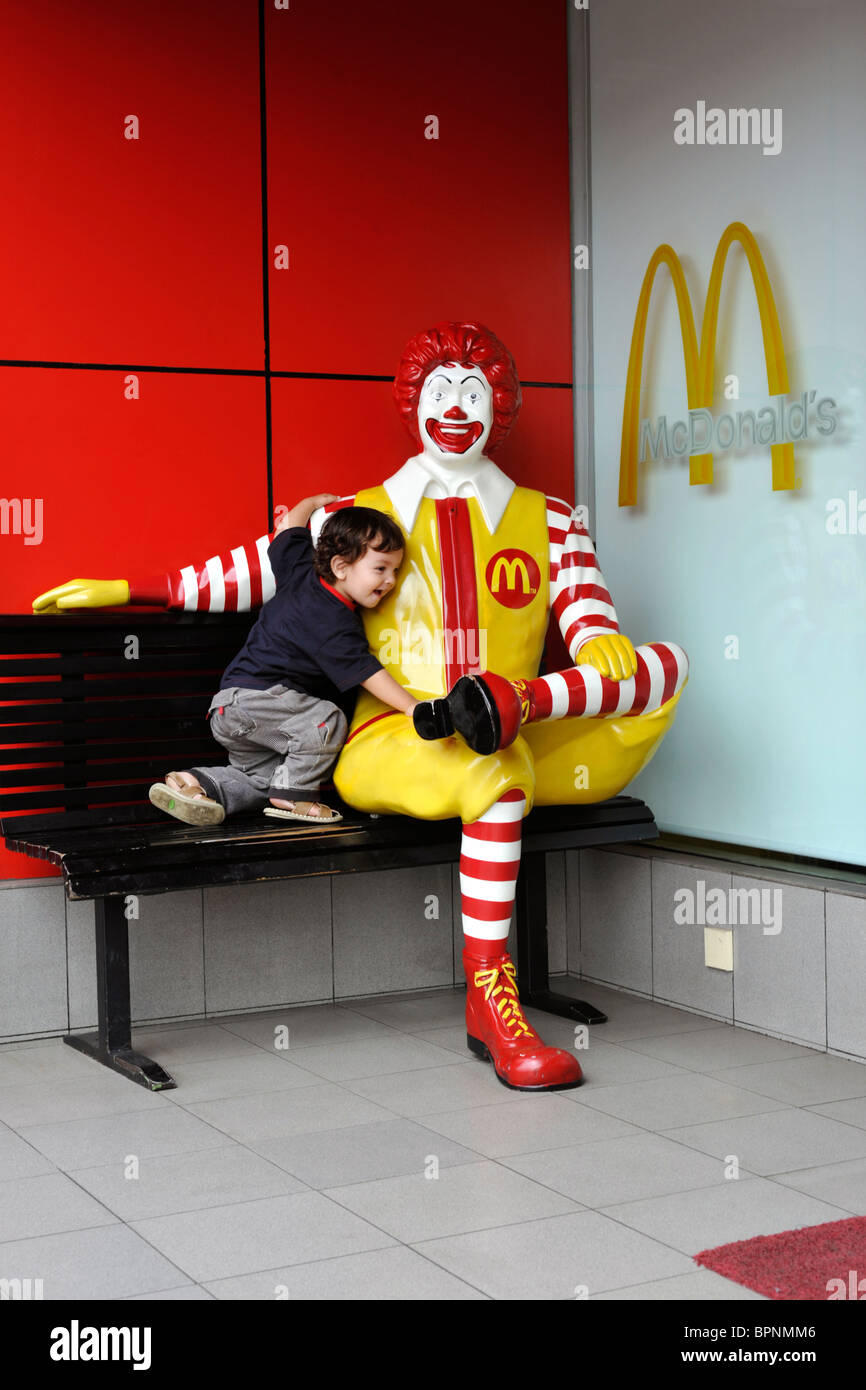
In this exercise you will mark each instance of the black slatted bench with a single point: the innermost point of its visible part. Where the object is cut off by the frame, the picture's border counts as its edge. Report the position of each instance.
(95, 707)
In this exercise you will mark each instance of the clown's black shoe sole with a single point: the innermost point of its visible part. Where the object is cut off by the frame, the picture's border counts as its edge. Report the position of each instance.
(475, 715)
(432, 719)
(469, 710)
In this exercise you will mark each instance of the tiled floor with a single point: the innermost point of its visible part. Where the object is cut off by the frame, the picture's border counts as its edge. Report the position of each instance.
(366, 1154)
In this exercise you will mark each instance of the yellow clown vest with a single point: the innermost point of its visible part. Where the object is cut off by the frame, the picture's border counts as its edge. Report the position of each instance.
(505, 581)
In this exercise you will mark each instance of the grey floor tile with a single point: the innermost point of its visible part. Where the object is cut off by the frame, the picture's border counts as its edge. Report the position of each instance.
(224, 1077)
(533, 1123)
(111, 1139)
(106, 1263)
(344, 1061)
(252, 1119)
(362, 1153)
(810, 1080)
(452, 1038)
(187, 1293)
(262, 1235)
(306, 1026)
(777, 1143)
(170, 1046)
(18, 1159)
(841, 1184)
(21, 1067)
(563, 1257)
(187, 1182)
(689, 1098)
(704, 1285)
(621, 1170)
(850, 1112)
(436, 1089)
(713, 1049)
(394, 1273)
(631, 1017)
(41, 1102)
(467, 1198)
(412, 1013)
(735, 1210)
(613, 1064)
(44, 1205)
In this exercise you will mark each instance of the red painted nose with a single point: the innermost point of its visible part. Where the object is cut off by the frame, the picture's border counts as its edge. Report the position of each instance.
(455, 413)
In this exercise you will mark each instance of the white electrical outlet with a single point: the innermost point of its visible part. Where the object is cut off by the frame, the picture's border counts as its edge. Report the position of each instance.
(718, 948)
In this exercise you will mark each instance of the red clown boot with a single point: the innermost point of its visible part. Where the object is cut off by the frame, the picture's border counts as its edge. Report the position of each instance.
(497, 1031)
(487, 710)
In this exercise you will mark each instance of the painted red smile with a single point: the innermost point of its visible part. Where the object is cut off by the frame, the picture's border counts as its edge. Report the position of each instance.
(454, 436)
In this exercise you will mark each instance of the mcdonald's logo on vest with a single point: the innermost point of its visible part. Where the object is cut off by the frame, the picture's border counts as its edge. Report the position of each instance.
(700, 363)
(513, 578)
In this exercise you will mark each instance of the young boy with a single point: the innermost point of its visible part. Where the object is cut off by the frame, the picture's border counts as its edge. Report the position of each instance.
(283, 708)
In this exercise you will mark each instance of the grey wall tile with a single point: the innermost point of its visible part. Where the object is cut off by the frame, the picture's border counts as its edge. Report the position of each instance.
(32, 960)
(166, 965)
(779, 976)
(166, 957)
(382, 938)
(615, 919)
(267, 943)
(679, 973)
(572, 910)
(81, 957)
(846, 973)
(556, 912)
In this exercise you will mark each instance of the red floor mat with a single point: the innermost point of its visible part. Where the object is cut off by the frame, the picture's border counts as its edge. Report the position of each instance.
(818, 1262)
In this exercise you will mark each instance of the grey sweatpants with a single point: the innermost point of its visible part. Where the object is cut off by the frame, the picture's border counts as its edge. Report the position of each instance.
(280, 743)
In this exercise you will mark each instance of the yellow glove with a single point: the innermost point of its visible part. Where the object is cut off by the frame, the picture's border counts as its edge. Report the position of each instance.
(83, 593)
(611, 656)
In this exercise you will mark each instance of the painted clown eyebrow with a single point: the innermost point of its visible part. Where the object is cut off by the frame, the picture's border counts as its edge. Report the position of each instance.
(440, 377)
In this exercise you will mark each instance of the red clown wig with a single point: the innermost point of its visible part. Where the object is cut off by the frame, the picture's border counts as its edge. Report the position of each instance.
(473, 344)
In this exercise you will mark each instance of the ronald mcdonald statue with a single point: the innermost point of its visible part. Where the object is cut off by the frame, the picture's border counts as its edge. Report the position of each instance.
(464, 630)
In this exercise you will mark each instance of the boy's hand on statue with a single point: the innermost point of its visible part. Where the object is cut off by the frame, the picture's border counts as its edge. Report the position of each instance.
(611, 656)
(83, 593)
(300, 513)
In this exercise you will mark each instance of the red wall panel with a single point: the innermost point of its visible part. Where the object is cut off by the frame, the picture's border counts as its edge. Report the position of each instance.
(145, 251)
(149, 252)
(340, 436)
(389, 232)
(127, 487)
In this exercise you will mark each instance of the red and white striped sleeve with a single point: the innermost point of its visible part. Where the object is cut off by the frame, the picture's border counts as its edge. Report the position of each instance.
(578, 594)
(232, 583)
(321, 514)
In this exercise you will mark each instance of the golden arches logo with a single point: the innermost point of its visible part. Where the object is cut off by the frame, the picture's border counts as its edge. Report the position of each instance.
(510, 569)
(700, 364)
(513, 577)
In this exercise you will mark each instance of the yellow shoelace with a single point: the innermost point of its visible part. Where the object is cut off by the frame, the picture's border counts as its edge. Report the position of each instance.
(509, 1005)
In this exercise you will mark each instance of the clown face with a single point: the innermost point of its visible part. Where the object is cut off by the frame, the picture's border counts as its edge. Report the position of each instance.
(455, 413)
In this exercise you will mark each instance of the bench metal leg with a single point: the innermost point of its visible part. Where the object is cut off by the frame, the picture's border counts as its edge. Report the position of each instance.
(532, 950)
(112, 1044)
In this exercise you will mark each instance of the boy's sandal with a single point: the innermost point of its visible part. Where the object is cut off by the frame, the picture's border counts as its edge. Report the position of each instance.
(191, 805)
(301, 812)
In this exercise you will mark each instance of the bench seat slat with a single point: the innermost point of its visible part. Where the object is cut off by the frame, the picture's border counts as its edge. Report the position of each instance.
(142, 684)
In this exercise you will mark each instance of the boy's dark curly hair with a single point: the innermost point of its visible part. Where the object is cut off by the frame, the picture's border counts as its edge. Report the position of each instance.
(350, 532)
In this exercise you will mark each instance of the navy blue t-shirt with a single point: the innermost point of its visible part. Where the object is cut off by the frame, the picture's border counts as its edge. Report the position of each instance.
(307, 637)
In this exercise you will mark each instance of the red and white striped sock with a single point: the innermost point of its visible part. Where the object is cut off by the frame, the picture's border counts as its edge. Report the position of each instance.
(489, 865)
(662, 668)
